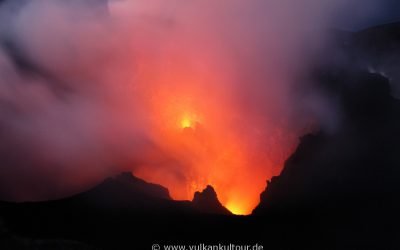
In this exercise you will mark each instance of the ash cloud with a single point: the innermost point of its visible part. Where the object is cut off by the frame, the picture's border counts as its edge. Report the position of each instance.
(78, 77)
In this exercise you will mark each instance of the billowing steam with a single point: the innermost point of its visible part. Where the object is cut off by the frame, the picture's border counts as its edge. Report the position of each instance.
(182, 93)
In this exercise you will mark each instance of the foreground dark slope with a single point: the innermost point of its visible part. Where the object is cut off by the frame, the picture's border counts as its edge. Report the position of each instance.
(348, 176)
(112, 214)
(339, 190)
(351, 173)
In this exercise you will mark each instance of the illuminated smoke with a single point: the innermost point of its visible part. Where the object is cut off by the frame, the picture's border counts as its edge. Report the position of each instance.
(182, 93)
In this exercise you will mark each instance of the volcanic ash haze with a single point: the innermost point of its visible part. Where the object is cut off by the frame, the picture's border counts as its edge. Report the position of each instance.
(182, 93)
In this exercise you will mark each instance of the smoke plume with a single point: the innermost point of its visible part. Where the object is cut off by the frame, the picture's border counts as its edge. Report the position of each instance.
(182, 93)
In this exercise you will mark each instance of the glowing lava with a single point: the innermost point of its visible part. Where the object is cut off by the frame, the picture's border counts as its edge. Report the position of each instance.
(186, 123)
(237, 208)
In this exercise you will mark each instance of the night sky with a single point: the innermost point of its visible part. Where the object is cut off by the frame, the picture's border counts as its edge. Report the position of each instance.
(375, 13)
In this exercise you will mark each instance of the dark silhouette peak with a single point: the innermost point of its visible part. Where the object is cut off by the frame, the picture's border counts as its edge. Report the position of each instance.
(127, 177)
(207, 195)
(207, 202)
(208, 191)
(126, 190)
(209, 188)
(139, 186)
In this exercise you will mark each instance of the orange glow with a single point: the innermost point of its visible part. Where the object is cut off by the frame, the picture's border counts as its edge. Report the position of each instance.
(197, 135)
(237, 209)
(207, 136)
(186, 123)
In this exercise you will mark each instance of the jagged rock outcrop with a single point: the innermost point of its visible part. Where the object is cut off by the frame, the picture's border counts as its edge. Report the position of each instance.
(128, 194)
(207, 202)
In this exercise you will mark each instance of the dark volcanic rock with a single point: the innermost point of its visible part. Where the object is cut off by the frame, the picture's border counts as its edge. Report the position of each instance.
(140, 186)
(134, 194)
(118, 206)
(352, 171)
(207, 202)
(126, 194)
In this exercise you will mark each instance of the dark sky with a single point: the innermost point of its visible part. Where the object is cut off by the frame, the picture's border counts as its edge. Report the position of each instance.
(363, 14)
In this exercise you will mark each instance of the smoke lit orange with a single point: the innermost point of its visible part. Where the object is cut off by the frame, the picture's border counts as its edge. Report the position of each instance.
(211, 128)
(210, 140)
